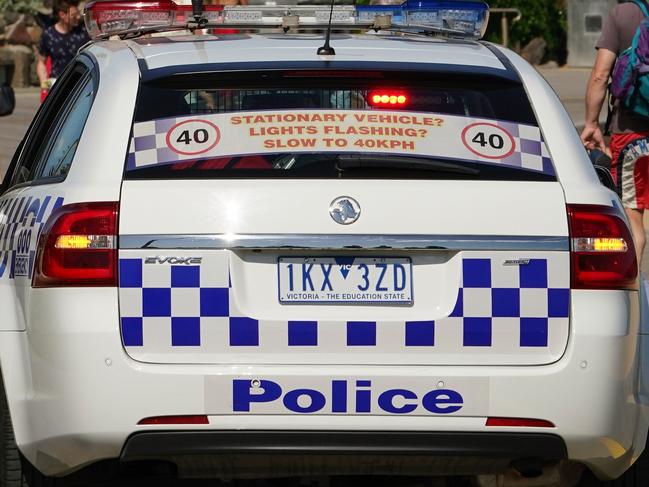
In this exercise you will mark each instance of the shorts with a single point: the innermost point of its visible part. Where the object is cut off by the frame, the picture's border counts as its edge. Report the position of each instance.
(629, 166)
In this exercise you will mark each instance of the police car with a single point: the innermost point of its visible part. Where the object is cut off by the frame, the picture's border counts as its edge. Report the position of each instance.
(313, 242)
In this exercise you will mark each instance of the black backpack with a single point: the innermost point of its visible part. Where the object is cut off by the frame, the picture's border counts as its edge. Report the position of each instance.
(7, 100)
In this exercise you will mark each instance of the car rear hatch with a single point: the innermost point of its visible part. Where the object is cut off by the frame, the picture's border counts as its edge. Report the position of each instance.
(310, 217)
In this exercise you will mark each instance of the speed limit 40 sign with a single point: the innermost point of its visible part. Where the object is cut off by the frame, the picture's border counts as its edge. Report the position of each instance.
(193, 137)
(488, 140)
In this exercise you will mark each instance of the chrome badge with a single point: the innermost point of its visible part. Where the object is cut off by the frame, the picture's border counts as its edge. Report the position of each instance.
(344, 210)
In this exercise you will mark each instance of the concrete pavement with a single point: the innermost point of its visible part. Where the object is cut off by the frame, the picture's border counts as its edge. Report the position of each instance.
(570, 86)
(13, 127)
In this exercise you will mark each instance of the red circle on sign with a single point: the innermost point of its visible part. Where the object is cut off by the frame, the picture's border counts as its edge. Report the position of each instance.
(202, 151)
(466, 129)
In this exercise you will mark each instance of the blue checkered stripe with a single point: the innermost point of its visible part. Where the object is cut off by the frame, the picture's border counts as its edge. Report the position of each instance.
(499, 307)
(531, 152)
(148, 144)
(523, 300)
(170, 304)
(17, 214)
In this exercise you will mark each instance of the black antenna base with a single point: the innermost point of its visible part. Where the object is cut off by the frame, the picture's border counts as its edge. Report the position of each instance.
(326, 50)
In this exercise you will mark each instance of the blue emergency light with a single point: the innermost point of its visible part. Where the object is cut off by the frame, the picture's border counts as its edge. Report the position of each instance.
(460, 18)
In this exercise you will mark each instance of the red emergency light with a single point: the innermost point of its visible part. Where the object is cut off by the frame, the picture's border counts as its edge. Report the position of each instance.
(113, 17)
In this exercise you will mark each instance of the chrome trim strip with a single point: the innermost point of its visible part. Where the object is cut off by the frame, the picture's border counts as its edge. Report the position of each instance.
(342, 242)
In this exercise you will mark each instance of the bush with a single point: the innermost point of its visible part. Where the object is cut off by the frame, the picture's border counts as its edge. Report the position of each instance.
(20, 6)
(541, 18)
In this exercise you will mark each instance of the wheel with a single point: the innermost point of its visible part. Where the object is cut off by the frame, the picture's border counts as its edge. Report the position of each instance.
(15, 471)
(11, 474)
(636, 476)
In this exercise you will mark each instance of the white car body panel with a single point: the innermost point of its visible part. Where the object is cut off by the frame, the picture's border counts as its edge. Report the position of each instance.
(177, 51)
(252, 207)
(67, 373)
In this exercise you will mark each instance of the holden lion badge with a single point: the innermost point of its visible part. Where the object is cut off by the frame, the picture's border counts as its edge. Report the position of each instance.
(344, 210)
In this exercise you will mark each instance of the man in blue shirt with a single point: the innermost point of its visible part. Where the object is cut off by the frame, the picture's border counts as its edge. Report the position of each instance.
(61, 41)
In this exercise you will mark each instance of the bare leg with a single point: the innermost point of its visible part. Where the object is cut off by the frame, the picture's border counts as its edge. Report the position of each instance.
(637, 229)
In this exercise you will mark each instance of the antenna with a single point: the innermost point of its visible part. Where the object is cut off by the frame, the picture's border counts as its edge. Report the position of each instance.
(326, 49)
(197, 12)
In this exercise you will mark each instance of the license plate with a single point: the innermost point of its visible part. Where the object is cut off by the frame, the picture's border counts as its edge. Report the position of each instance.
(345, 279)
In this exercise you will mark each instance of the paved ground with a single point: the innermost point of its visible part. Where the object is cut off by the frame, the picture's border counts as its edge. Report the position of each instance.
(13, 127)
(570, 85)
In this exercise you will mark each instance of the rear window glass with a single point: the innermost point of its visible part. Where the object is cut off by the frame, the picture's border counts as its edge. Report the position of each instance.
(336, 124)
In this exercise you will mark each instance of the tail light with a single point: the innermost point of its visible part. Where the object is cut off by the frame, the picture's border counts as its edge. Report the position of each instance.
(602, 251)
(78, 247)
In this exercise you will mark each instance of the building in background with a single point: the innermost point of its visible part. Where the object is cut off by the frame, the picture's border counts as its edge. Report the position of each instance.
(585, 21)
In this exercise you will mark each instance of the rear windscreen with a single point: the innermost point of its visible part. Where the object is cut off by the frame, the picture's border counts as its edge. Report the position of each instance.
(336, 124)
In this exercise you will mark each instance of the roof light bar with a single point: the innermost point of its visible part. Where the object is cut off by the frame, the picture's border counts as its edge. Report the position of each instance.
(104, 18)
(461, 18)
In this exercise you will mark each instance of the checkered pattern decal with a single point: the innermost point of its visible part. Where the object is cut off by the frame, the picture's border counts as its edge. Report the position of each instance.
(21, 222)
(149, 145)
(524, 293)
(531, 151)
(501, 308)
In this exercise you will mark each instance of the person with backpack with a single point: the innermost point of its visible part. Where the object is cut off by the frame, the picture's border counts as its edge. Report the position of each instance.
(620, 56)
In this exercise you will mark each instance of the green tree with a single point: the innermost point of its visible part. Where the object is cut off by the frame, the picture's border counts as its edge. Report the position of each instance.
(541, 18)
(20, 6)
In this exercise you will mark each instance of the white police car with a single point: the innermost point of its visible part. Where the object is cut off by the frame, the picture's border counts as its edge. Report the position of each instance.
(232, 255)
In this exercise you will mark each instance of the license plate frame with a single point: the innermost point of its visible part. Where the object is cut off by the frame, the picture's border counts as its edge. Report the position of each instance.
(402, 296)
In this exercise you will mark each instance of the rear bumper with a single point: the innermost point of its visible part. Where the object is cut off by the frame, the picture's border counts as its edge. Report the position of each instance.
(153, 444)
(280, 453)
(76, 397)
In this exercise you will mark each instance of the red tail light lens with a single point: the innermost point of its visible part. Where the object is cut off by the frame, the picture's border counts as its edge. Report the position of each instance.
(78, 247)
(387, 99)
(602, 251)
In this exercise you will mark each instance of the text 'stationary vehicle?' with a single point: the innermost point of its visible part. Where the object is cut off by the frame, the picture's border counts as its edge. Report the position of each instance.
(309, 241)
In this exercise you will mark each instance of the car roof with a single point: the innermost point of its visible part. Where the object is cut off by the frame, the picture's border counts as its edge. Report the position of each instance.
(192, 51)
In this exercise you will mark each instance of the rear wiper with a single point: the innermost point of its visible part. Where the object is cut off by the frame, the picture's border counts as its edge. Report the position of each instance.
(345, 162)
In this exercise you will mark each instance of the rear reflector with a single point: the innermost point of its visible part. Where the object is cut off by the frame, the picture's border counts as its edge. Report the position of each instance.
(602, 251)
(194, 419)
(78, 247)
(520, 422)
